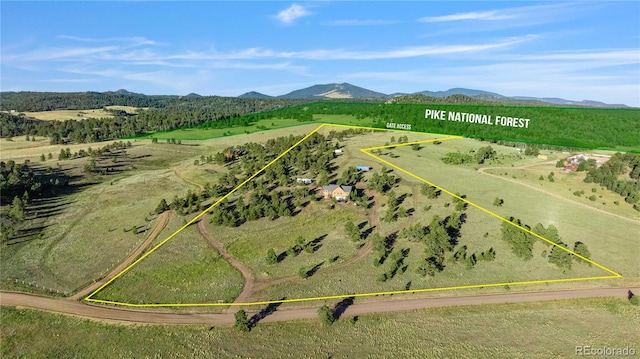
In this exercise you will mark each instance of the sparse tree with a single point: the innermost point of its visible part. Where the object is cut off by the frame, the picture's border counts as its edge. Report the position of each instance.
(581, 249)
(271, 258)
(162, 206)
(352, 231)
(325, 314)
(241, 321)
(17, 208)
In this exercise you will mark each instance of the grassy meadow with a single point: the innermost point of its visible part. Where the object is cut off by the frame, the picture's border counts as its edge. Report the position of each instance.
(200, 133)
(525, 330)
(184, 270)
(88, 232)
(64, 115)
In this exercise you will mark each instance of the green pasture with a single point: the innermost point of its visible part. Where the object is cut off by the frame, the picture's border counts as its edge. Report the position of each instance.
(184, 270)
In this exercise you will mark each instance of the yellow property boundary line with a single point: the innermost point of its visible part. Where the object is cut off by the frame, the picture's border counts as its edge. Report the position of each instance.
(366, 151)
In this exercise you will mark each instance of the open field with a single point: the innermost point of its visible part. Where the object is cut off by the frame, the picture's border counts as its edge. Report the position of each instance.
(88, 232)
(565, 184)
(553, 329)
(63, 115)
(250, 242)
(209, 133)
(127, 109)
(610, 239)
(79, 235)
(201, 133)
(185, 270)
(20, 150)
(83, 232)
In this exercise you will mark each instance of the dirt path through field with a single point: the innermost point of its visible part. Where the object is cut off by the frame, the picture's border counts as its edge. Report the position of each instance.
(164, 219)
(484, 169)
(381, 305)
(177, 172)
(246, 273)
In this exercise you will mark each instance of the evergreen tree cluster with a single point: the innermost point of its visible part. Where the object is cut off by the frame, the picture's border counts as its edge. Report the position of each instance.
(397, 264)
(521, 242)
(261, 204)
(19, 185)
(439, 237)
(18, 179)
(163, 113)
(563, 127)
(382, 181)
(608, 175)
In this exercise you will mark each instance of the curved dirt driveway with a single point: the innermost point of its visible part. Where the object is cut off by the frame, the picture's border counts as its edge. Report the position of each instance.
(164, 219)
(385, 304)
(246, 272)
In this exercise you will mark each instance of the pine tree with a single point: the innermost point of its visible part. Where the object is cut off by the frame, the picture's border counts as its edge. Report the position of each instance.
(271, 258)
(325, 314)
(242, 322)
(17, 208)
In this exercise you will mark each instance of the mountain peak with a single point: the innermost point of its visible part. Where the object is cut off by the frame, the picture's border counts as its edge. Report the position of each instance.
(254, 94)
(346, 90)
(334, 91)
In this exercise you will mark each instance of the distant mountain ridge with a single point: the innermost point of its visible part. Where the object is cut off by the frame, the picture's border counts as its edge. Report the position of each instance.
(334, 91)
(347, 91)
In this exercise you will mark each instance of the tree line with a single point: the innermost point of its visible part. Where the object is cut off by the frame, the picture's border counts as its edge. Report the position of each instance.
(555, 126)
(163, 113)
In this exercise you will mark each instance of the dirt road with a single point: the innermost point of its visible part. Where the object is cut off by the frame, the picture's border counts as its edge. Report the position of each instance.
(385, 304)
(246, 273)
(164, 219)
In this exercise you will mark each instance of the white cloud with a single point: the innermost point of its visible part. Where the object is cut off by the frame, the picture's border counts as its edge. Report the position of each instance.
(358, 22)
(135, 41)
(148, 55)
(342, 54)
(609, 75)
(518, 16)
(292, 13)
(483, 15)
(47, 54)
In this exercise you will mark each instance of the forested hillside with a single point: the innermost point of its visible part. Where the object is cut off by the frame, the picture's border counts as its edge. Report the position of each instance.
(562, 126)
(166, 112)
(47, 101)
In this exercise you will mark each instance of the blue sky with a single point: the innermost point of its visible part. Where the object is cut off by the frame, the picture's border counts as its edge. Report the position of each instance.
(574, 50)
